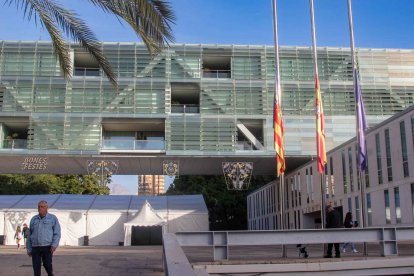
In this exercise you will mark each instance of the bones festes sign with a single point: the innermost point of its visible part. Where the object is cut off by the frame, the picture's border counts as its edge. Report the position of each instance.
(34, 163)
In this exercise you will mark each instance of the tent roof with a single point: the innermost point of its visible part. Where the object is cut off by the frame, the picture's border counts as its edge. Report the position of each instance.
(146, 217)
(99, 203)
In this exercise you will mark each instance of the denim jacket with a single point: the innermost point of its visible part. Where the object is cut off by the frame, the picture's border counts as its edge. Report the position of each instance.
(43, 232)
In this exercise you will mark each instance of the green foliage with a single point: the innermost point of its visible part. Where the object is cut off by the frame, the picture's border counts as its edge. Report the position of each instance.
(13, 184)
(227, 209)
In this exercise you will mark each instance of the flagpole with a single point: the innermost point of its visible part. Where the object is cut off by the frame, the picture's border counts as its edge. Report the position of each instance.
(278, 98)
(278, 127)
(315, 57)
(361, 173)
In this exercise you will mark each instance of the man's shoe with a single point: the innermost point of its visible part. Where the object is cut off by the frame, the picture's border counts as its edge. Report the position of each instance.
(327, 256)
(344, 250)
(354, 251)
(337, 256)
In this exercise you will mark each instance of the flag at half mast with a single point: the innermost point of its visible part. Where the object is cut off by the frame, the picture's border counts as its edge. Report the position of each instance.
(361, 125)
(279, 132)
(320, 128)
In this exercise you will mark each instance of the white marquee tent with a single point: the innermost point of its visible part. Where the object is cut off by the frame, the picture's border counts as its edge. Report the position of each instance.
(102, 218)
(145, 217)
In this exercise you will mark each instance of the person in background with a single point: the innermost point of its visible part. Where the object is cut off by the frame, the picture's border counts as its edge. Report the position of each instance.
(18, 236)
(25, 233)
(333, 220)
(43, 239)
(348, 223)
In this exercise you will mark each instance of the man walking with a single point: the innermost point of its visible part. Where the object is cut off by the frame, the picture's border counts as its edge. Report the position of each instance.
(333, 220)
(43, 239)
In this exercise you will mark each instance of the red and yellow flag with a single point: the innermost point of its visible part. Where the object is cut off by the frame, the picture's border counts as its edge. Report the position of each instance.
(320, 128)
(279, 132)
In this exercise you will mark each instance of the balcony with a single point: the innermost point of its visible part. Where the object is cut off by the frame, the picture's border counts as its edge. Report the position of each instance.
(185, 108)
(14, 144)
(133, 145)
(245, 146)
(86, 72)
(217, 74)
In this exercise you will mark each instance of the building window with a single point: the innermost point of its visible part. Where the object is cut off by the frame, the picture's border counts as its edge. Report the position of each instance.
(292, 187)
(311, 183)
(404, 149)
(351, 171)
(349, 204)
(369, 210)
(379, 163)
(299, 187)
(387, 207)
(357, 210)
(344, 173)
(307, 186)
(397, 204)
(388, 154)
(412, 199)
(412, 128)
(332, 180)
(287, 193)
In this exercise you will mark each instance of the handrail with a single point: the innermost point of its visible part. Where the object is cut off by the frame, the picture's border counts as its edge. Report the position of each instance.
(220, 241)
(217, 74)
(87, 72)
(185, 108)
(139, 145)
(175, 261)
(14, 144)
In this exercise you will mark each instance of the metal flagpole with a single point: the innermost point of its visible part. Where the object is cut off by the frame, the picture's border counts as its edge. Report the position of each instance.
(361, 174)
(278, 98)
(277, 89)
(315, 56)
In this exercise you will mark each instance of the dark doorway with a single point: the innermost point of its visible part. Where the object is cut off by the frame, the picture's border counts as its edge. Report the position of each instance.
(146, 235)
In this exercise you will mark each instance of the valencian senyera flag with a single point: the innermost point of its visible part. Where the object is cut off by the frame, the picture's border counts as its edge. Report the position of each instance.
(320, 128)
(279, 132)
(361, 124)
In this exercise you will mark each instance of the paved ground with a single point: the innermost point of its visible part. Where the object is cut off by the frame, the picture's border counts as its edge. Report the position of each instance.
(89, 260)
(147, 260)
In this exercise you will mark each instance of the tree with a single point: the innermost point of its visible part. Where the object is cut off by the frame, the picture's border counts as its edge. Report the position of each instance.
(227, 209)
(150, 19)
(13, 184)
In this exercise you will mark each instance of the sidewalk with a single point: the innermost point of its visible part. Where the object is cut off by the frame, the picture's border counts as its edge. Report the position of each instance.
(88, 260)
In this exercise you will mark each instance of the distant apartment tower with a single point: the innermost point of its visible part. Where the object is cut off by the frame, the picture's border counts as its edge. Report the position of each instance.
(151, 184)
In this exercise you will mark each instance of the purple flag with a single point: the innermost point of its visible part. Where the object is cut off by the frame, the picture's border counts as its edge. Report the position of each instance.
(361, 125)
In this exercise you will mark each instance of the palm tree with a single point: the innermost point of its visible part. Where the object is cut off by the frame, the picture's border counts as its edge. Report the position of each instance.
(150, 19)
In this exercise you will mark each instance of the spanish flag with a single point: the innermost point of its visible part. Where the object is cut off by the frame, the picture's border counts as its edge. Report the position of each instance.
(279, 132)
(320, 128)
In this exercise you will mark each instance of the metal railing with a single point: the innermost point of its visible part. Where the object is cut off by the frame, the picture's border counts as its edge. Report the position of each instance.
(245, 145)
(14, 144)
(138, 145)
(185, 108)
(87, 72)
(220, 241)
(217, 74)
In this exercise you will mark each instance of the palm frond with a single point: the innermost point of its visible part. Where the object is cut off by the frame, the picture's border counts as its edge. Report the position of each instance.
(34, 8)
(150, 19)
(76, 28)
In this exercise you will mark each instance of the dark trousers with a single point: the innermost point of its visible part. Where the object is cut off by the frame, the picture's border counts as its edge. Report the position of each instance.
(42, 254)
(337, 252)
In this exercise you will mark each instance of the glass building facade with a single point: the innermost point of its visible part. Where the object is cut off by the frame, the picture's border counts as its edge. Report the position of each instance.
(190, 99)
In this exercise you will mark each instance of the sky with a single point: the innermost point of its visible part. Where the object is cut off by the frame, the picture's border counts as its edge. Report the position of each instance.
(377, 24)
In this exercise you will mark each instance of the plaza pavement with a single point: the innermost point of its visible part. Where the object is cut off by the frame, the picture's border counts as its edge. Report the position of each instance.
(147, 260)
(88, 260)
